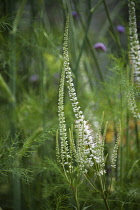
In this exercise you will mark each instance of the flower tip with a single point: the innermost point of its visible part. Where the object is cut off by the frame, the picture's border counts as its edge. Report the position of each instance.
(34, 78)
(120, 29)
(74, 14)
(100, 46)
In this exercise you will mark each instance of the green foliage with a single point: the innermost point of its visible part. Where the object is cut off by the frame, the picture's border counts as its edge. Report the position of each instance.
(5, 23)
(57, 193)
(31, 36)
(12, 154)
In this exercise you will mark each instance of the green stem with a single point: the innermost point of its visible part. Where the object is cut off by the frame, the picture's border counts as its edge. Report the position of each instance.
(82, 47)
(86, 32)
(16, 180)
(103, 192)
(43, 90)
(88, 41)
(111, 25)
(13, 119)
(103, 187)
(16, 193)
(18, 16)
(127, 139)
(94, 187)
(137, 134)
(110, 184)
(121, 143)
(75, 192)
(105, 202)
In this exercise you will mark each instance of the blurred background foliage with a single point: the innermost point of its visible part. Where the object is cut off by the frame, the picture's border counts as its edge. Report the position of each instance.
(31, 37)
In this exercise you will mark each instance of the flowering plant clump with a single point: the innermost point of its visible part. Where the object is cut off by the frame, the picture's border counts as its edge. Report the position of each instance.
(83, 150)
(87, 149)
(96, 160)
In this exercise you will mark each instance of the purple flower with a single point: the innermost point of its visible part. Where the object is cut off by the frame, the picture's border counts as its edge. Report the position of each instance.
(34, 78)
(120, 29)
(74, 14)
(100, 46)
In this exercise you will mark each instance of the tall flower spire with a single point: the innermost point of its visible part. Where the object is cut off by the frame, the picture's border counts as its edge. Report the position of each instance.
(134, 43)
(62, 125)
(134, 59)
(87, 148)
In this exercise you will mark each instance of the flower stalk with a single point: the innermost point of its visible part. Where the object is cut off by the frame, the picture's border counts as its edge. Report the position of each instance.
(134, 43)
(83, 151)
